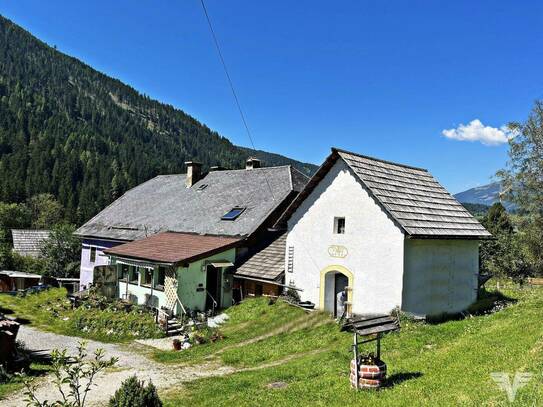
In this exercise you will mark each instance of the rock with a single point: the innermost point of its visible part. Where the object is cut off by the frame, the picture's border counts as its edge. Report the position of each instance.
(276, 385)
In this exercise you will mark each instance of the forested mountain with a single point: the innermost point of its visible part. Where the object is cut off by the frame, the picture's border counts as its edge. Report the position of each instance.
(483, 195)
(72, 131)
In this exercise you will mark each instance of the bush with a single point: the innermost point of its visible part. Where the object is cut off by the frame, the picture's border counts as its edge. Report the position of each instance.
(134, 393)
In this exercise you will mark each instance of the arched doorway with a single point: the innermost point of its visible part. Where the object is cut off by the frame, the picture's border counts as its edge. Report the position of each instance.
(334, 280)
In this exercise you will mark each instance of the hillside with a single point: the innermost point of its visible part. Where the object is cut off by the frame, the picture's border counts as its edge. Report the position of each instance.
(72, 131)
(483, 195)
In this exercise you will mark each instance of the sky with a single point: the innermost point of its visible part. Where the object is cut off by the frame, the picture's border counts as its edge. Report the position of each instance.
(426, 83)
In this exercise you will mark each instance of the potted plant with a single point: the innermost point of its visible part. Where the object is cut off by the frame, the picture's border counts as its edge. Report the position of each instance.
(177, 344)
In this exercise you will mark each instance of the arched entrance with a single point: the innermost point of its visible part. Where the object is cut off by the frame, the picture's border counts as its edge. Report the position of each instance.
(335, 279)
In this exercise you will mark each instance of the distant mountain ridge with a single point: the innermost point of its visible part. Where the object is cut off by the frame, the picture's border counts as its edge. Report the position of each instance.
(85, 137)
(483, 195)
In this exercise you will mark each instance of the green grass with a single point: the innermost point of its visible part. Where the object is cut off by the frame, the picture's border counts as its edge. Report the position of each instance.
(429, 364)
(51, 311)
(16, 382)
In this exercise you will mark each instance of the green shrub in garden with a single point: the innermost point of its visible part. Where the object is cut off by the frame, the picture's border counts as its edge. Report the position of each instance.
(134, 393)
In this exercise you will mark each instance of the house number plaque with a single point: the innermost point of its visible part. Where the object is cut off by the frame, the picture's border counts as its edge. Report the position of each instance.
(338, 251)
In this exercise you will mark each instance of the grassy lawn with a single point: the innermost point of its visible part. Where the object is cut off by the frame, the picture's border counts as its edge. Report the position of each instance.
(51, 311)
(429, 364)
(16, 382)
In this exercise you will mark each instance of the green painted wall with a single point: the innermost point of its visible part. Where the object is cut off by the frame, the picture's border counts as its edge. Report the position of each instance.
(194, 276)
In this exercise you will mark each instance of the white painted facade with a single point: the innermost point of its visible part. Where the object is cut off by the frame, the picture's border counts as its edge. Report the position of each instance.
(385, 269)
(371, 249)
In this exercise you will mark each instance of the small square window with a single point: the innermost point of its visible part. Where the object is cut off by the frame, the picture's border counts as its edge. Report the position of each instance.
(93, 254)
(339, 226)
(233, 213)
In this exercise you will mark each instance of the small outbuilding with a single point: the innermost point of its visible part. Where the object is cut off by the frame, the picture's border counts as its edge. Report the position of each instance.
(17, 280)
(366, 236)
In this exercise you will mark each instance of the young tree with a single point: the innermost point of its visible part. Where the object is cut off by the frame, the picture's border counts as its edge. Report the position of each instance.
(61, 252)
(45, 210)
(73, 377)
(502, 256)
(523, 183)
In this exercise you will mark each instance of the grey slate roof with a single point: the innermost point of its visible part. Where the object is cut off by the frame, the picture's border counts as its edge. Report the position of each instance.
(28, 242)
(165, 204)
(267, 264)
(412, 197)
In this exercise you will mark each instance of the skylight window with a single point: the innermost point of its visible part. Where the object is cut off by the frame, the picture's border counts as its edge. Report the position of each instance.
(202, 187)
(233, 213)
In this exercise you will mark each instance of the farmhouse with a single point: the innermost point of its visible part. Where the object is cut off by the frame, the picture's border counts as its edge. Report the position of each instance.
(367, 235)
(174, 241)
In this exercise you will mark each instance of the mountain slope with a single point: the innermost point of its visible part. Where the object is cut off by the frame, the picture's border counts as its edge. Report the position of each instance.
(70, 130)
(483, 195)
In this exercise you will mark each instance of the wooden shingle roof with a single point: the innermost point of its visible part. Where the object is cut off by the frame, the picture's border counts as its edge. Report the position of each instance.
(268, 263)
(28, 242)
(412, 197)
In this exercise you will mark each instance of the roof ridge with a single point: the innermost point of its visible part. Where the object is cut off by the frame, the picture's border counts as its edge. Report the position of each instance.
(339, 150)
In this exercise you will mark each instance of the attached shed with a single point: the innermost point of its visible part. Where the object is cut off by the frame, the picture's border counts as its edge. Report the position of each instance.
(263, 273)
(28, 242)
(386, 235)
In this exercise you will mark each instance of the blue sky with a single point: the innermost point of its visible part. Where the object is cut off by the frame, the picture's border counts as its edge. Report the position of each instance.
(379, 78)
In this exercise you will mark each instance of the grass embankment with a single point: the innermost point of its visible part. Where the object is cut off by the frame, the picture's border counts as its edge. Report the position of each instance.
(51, 311)
(429, 364)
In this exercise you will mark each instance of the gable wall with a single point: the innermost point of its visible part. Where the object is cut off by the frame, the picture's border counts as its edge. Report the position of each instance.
(374, 243)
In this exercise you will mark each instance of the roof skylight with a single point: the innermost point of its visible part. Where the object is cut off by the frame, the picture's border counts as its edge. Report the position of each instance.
(233, 213)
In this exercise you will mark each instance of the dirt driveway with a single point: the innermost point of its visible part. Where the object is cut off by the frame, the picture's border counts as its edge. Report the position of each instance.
(131, 361)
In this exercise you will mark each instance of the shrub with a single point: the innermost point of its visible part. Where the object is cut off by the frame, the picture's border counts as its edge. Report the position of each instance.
(134, 393)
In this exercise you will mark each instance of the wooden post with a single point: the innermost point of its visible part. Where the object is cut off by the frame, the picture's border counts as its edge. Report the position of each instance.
(379, 346)
(355, 351)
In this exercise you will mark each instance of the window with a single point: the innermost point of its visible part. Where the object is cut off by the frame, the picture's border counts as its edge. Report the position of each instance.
(339, 226)
(160, 278)
(202, 187)
(133, 275)
(233, 213)
(147, 277)
(124, 272)
(92, 254)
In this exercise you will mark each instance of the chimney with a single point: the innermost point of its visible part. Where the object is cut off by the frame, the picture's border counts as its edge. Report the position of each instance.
(194, 173)
(252, 163)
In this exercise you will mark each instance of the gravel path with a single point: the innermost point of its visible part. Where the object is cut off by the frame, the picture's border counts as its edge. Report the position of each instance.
(131, 361)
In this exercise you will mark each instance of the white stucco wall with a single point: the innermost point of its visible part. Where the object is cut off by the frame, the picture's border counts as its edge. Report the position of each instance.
(374, 243)
(140, 292)
(440, 275)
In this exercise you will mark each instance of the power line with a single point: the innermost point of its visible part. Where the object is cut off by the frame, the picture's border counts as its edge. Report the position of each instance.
(217, 46)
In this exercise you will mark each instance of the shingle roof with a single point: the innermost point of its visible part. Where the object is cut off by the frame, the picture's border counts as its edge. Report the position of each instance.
(268, 263)
(413, 198)
(28, 242)
(173, 248)
(165, 204)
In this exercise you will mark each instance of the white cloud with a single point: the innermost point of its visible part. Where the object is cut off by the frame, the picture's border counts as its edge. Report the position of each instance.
(477, 131)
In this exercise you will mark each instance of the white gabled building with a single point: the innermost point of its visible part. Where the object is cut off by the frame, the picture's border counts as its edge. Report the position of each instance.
(388, 234)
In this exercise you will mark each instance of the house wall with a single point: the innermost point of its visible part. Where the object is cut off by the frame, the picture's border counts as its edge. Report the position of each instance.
(370, 251)
(250, 289)
(440, 275)
(192, 282)
(140, 292)
(87, 267)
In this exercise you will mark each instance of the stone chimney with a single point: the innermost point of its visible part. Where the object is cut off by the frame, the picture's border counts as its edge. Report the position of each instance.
(252, 163)
(194, 173)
